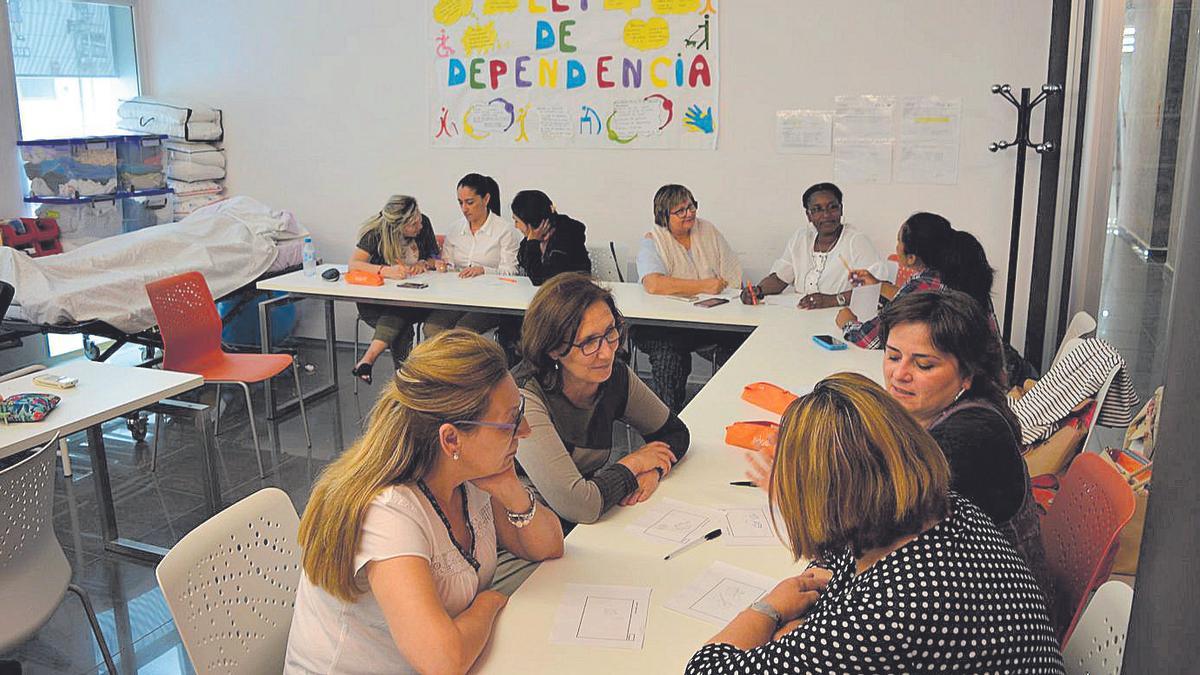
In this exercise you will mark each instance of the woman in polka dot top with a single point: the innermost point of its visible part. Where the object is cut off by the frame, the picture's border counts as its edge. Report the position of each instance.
(912, 577)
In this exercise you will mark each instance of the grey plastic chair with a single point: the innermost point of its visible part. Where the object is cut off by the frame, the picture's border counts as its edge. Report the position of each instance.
(230, 585)
(34, 572)
(1098, 642)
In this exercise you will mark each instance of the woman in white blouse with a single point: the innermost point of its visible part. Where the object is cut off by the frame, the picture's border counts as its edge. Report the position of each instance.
(399, 537)
(817, 260)
(482, 242)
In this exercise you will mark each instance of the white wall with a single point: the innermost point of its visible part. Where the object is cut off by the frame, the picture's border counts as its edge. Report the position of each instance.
(326, 115)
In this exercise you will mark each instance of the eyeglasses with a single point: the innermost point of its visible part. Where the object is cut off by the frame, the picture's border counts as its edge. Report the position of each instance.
(612, 336)
(825, 209)
(506, 426)
(684, 210)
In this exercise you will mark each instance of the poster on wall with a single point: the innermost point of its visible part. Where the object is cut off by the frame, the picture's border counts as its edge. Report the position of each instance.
(574, 74)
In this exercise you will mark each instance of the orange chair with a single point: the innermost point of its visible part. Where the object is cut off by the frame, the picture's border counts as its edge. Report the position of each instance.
(1080, 534)
(191, 333)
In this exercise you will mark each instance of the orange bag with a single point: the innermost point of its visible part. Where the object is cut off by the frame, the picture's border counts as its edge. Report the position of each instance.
(758, 435)
(768, 396)
(363, 278)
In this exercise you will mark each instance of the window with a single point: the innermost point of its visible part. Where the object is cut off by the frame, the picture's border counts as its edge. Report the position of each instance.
(74, 63)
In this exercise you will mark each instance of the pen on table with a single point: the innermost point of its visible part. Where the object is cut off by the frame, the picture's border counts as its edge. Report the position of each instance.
(695, 542)
(507, 280)
(750, 290)
(743, 483)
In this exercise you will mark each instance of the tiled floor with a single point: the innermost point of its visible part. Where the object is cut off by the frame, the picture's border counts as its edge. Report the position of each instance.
(161, 507)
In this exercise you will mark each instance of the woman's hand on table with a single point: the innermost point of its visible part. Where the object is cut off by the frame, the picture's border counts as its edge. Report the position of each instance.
(817, 301)
(472, 271)
(420, 267)
(712, 286)
(397, 271)
(655, 455)
(793, 597)
(844, 317)
(647, 484)
(440, 265)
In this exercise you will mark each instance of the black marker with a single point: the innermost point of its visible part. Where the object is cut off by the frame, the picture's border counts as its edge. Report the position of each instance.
(695, 542)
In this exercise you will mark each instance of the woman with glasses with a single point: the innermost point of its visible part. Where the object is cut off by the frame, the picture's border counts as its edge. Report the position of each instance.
(683, 255)
(576, 387)
(908, 575)
(396, 243)
(400, 534)
(816, 258)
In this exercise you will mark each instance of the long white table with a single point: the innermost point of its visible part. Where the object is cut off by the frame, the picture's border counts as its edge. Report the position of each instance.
(779, 350)
(105, 392)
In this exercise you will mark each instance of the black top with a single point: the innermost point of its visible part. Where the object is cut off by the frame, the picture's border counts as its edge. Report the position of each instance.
(566, 251)
(427, 246)
(956, 599)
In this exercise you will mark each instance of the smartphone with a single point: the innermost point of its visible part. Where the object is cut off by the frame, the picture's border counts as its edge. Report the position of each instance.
(829, 342)
(56, 381)
(711, 302)
(412, 284)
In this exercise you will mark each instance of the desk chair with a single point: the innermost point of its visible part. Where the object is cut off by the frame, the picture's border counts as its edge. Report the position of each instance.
(236, 619)
(34, 573)
(1099, 640)
(191, 333)
(1079, 533)
(1082, 324)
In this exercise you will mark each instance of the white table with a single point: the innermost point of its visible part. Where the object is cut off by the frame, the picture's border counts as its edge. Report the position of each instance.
(104, 392)
(779, 350)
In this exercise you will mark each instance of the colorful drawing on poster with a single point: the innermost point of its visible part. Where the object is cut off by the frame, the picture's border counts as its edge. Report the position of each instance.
(667, 105)
(646, 35)
(695, 120)
(516, 71)
(675, 6)
(448, 12)
(591, 118)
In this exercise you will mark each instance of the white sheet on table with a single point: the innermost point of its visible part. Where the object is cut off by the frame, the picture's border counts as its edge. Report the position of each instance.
(231, 243)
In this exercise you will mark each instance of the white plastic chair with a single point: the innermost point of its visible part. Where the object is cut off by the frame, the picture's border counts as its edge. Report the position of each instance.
(230, 585)
(606, 265)
(62, 442)
(1081, 324)
(1098, 642)
(34, 572)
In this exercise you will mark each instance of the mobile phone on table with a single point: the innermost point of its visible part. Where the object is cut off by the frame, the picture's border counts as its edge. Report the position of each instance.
(56, 381)
(412, 284)
(711, 302)
(829, 342)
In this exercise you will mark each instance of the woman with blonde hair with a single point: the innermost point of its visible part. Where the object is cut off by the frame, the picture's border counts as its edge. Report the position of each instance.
(908, 576)
(400, 534)
(396, 243)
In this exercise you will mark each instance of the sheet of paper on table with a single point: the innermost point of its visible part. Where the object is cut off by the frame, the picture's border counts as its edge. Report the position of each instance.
(602, 616)
(748, 526)
(864, 301)
(719, 593)
(676, 522)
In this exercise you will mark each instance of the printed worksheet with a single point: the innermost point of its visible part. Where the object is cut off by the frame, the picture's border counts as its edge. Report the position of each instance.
(676, 522)
(719, 593)
(748, 526)
(602, 616)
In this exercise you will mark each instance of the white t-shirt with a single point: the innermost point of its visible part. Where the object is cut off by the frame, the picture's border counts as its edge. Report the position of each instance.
(811, 272)
(331, 636)
(494, 247)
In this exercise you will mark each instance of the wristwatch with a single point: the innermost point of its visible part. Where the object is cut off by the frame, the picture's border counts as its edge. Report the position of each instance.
(763, 607)
(841, 299)
(520, 520)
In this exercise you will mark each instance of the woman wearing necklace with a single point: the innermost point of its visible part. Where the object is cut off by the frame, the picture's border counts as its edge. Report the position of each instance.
(395, 244)
(400, 535)
(815, 261)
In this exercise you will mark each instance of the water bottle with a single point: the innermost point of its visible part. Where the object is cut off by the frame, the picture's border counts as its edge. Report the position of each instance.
(309, 252)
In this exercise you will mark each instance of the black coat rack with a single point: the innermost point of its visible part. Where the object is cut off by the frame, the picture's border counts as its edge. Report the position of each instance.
(1022, 143)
